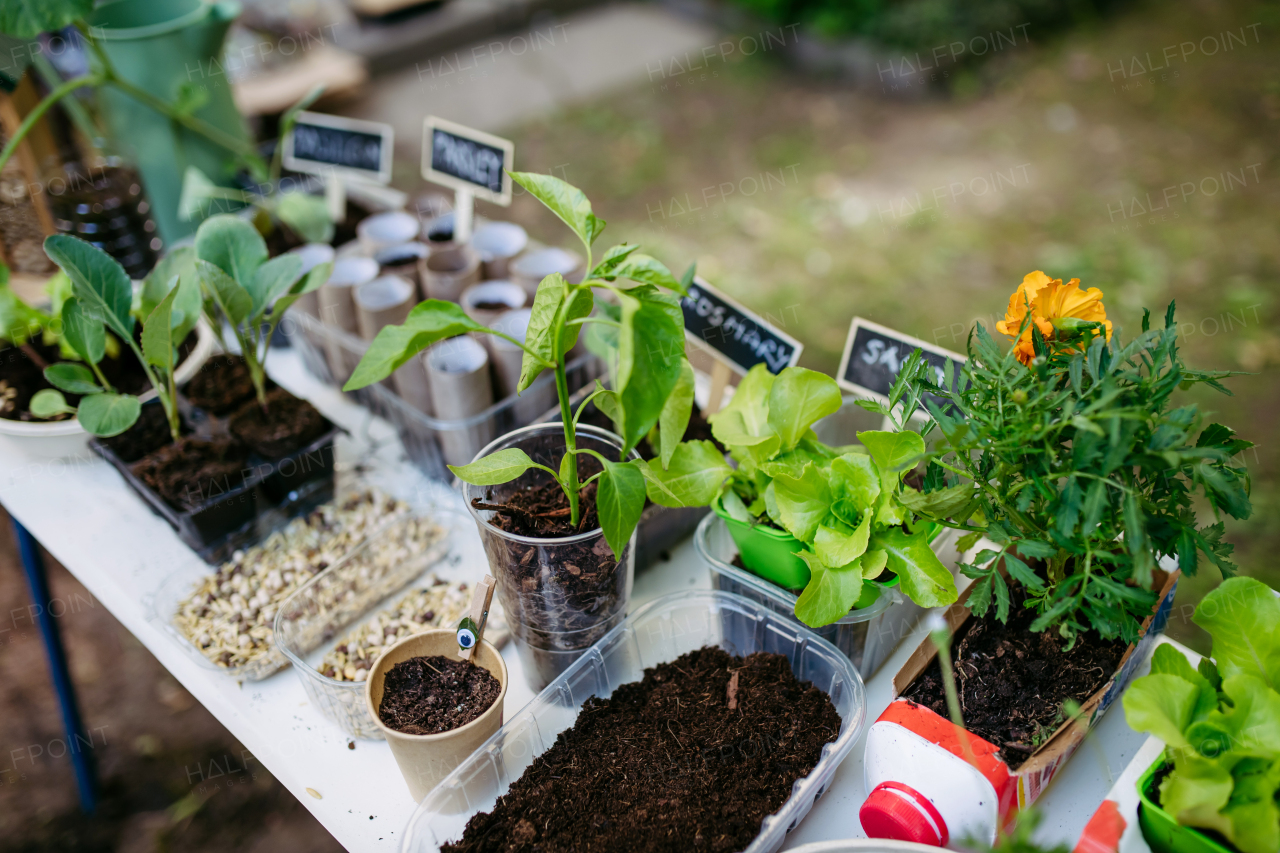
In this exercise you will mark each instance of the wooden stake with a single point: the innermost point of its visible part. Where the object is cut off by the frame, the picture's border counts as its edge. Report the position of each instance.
(481, 598)
(721, 373)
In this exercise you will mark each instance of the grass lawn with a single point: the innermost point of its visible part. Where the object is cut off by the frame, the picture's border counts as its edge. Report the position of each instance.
(815, 203)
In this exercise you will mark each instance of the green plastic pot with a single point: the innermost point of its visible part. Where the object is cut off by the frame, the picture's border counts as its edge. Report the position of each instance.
(161, 46)
(771, 554)
(1162, 832)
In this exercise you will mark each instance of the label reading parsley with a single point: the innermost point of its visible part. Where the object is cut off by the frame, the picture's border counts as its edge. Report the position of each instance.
(466, 159)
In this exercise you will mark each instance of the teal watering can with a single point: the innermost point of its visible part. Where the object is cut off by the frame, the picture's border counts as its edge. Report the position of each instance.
(161, 46)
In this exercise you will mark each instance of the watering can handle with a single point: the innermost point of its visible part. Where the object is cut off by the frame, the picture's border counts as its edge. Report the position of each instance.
(226, 10)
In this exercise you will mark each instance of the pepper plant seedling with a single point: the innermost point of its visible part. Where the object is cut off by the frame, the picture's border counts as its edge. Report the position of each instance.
(650, 344)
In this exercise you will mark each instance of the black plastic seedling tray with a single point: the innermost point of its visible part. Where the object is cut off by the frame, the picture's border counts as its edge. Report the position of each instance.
(233, 516)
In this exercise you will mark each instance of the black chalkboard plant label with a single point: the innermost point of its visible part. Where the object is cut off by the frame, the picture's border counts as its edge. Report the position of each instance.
(873, 355)
(466, 159)
(737, 336)
(322, 144)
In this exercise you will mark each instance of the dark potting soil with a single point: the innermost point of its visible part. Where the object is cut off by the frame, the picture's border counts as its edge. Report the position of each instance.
(693, 757)
(221, 386)
(192, 471)
(148, 434)
(431, 695)
(22, 375)
(288, 424)
(1012, 682)
(491, 306)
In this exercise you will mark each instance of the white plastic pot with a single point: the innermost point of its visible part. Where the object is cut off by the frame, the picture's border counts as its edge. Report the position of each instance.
(58, 439)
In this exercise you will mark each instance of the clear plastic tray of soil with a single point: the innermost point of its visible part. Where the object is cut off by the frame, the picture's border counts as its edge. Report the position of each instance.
(423, 436)
(242, 506)
(657, 633)
(354, 588)
(308, 626)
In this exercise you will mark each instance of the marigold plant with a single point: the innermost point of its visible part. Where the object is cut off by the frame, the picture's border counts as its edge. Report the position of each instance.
(1074, 462)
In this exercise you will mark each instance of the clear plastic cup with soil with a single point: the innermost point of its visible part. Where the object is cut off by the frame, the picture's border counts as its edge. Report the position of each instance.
(561, 588)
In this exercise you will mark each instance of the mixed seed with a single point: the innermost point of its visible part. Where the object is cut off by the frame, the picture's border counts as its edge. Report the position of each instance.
(438, 604)
(229, 616)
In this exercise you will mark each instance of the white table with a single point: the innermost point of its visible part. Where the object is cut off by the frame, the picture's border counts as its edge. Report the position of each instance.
(87, 517)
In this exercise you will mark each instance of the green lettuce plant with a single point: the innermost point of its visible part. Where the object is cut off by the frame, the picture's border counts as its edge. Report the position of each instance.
(99, 308)
(1078, 463)
(246, 289)
(1221, 719)
(649, 329)
(841, 503)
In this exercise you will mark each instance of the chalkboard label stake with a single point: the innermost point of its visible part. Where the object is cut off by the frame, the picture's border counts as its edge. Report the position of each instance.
(463, 213)
(721, 373)
(335, 195)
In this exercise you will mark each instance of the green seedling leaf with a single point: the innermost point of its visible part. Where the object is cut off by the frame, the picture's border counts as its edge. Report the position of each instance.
(565, 201)
(799, 398)
(272, 280)
(306, 215)
(197, 191)
(429, 321)
(105, 415)
(693, 477)
(233, 245)
(854, 478)
(49, 403)
(97, 279)
(1243, 616)
(619, 501)
(830, 593)
(956, 502)
(644, 269)
(496, 468)
(674, 419)
(83, 331)
(157, 335)
(72, 378)
(750, 403)
(555, 303)
(840, 546)
(921, 574)
(733, 505)
(177, 269)
(605, 270)
(232, 300)
(804, 502)
(27, 19)
(650, 360)
(607, 402)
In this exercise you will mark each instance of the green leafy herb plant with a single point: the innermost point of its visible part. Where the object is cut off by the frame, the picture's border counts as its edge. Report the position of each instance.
(99, 309)
(1078, 467)
(839, 503)
(649, 330)
(1221, 719)
(248, 291)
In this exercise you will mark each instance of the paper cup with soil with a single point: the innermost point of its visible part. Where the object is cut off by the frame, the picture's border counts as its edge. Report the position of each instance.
(498, 243)
(562, 587)
(434, 708)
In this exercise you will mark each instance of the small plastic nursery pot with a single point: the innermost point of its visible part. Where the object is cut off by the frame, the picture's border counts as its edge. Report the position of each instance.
(658, 632)
(424, 760)
(556, 605)
(867, 635)
(1161, 830)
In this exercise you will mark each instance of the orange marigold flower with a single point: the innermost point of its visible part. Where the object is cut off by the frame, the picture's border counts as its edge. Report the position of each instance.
(1048, 300)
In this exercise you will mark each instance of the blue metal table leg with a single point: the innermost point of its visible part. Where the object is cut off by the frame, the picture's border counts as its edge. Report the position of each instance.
(77, 738)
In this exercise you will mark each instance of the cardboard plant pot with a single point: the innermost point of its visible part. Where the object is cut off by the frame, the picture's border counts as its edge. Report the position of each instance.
(337, 307)
(497, 243)
(426, 759)
(531, 268)
(489, 300)
(922, 785)
(384, 230)
(447, 272)
(313, 255)
(458, 376)
(404, 260)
